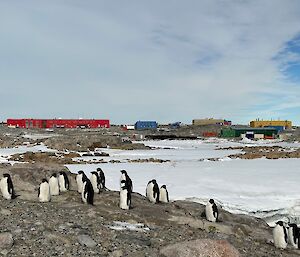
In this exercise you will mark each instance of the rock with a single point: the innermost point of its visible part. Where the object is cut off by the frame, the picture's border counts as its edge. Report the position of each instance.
(5, 212)
(6, 240)
(200, 248)
(117, 253)
(86, 240)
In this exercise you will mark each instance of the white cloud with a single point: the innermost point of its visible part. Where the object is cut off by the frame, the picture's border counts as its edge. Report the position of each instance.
(148, 60)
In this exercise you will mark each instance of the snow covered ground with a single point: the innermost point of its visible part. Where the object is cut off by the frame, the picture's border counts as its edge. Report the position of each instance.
(5, 153)
(260, 187)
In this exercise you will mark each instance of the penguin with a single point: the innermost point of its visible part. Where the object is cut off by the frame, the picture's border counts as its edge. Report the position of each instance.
(125, 177)
(211, 211)
(152, 191)
(79, 180)
(63, 181)
(293, 235)
(280, 235)
(102, 178)
(87, 194)
(163, 194)
(44, 191)
(125, 195)
(95, 180)
(6, 187)
(53, 184)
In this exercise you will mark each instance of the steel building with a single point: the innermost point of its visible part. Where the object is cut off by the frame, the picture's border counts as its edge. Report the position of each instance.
(211, 121)
(57, 123)
(271, 123)
(141, 125)
(250, 132)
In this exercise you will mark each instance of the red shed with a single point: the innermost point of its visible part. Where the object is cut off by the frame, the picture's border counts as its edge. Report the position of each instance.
(57, 123)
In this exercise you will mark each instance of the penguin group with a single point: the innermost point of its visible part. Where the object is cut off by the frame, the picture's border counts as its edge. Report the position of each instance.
(87, 187)
(53, 187)
(155, 194)
(286, 234)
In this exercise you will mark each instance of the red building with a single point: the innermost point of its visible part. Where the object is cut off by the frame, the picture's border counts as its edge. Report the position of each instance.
(57, 123)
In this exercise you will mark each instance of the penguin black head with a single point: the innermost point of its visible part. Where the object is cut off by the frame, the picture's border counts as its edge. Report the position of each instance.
(53, 175)
(123, 172)
(293, 225)
(99, 169)
(164, 186)
(154, 181)
(280, 223)
(6, 175)
(94, 172)
(80, 172)
(84, 178)
(44, 180)
(211, 201)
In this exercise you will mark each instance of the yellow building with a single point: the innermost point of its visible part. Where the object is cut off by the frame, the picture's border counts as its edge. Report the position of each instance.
(266, 123)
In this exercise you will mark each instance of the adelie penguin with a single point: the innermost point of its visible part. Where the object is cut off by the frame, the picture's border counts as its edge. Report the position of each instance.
(124, 176)
(44, 192)
(79, 180)
(102, 178)
(63, 181)
(211, 211)
(280, 236)
(6, 187)
(53, 184)
(125, 195)
(95, 180)
(152, 191)
(293, 235)
(87, 194)
(163, 194)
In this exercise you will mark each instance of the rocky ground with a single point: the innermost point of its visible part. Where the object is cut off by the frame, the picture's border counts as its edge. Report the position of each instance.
(268, 152)
(67, 227)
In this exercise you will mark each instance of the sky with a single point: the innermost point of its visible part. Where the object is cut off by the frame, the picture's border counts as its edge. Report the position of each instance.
(150, 60)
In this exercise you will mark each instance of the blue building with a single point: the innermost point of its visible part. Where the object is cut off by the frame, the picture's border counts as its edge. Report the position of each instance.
(140, 125)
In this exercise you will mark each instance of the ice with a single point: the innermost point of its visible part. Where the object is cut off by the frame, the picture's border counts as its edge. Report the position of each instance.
(6, 153)
(119, 225)
(260, 187)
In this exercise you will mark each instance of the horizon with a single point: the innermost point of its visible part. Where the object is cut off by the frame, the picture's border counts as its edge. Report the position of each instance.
(237, 61)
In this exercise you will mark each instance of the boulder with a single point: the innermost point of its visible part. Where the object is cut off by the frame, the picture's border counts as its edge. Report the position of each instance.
(200, 248)
(6, 240)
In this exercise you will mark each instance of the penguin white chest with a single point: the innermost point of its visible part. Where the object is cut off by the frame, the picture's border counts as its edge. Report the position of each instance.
(4, 188)
(84, 193)
(44, 193)
(163, 195)
(54, 187)
(279, 237)
(79, 183)
(149, 192)
(210, 213)
(124, 199)
(94, 182)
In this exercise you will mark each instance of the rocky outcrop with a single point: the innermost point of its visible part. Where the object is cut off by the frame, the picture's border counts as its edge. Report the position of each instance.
(200, 248)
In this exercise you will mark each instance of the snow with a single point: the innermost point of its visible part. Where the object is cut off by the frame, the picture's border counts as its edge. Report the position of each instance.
(119, 225)
(259, 187)
(39, 136)
(6, 153)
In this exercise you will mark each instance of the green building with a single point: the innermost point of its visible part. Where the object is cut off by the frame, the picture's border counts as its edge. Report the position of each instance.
(238, 132)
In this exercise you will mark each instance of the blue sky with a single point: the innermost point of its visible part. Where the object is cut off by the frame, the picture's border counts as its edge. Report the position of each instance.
(158, 60)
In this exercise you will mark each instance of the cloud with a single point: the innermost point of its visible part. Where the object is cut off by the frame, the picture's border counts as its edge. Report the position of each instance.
(149, 60)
